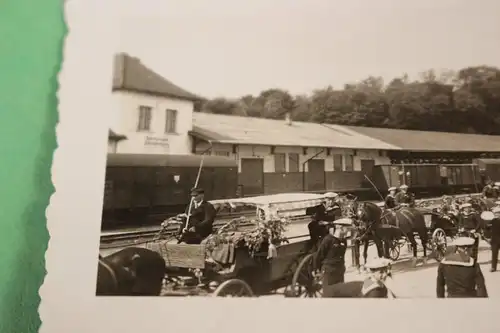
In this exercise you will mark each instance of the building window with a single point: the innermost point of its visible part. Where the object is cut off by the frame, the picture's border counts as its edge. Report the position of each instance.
(145, 114)
(337, 162)
(222, 153)
(349, 163)
(279, 163)
(171, 121)
(293, 162)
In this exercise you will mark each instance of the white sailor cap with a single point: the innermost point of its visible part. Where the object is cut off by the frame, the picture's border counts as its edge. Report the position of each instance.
(495, 210)
(404, 186)
(465, 205)
(378, 263)
(343, 221)
(497, 184)
(393, 188)
(497, 203)
(463, 241)
(330, 195)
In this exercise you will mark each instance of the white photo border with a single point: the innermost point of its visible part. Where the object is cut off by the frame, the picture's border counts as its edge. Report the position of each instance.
(68, 296)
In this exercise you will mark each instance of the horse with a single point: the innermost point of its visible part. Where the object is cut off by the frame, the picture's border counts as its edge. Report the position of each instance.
(133, 271)
(364, 231)
(392, 224)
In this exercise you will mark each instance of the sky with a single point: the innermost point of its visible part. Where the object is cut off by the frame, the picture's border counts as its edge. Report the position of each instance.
(232, 48)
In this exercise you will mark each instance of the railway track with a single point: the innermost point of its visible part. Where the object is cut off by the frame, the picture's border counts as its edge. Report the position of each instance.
(130, 238)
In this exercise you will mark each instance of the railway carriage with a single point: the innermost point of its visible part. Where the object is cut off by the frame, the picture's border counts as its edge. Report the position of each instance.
(145, 189)
(245, 256)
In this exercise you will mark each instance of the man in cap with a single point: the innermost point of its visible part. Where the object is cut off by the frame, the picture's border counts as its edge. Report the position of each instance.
(459, 273)
(390, 199)
(328, 211)
(470, 222)
(403, 197)
(201, 215)
(495, 236)
(488, 190)
(377, 285)
(330, 256)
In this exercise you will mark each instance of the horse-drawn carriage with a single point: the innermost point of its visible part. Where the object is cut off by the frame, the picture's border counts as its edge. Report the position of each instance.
(442, 225)
(245, 256)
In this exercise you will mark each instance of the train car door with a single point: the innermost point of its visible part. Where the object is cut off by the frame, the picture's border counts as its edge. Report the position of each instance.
(367, 167)
(252, 176)
(316, 175)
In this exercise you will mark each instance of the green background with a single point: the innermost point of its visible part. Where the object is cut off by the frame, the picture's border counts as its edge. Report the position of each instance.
(31, 39)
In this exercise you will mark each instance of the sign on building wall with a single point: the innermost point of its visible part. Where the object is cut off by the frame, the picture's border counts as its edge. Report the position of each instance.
(153, 141)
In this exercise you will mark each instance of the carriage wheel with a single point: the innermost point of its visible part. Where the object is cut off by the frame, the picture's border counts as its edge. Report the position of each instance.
(395, 250)
(304, 283)
(233, 288)
(439, 243)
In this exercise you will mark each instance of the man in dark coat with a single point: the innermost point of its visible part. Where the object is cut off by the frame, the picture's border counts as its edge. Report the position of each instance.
(403, 197)
(495, 238)
(330, 257)
(489, 191)
(323, 215)
(390, 199)
(471, 223)
(200, 218)
(377, 285)
(460, 274)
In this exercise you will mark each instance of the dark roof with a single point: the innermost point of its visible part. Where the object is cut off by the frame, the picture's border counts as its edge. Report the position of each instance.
(132, 75)
(112, 135)
(168, 160)
(270, 132)
(431, 141)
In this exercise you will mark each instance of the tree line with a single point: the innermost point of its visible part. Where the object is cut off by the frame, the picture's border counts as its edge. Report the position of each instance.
(464, 101)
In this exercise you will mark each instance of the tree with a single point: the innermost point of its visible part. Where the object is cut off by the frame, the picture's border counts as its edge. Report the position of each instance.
(440, 100)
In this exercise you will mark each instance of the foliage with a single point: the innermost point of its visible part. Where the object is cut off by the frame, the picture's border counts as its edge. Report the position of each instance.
(469, 97)
(260, 234)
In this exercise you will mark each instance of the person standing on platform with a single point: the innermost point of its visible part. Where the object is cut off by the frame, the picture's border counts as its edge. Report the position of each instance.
(330, 257)
(495, 237)
(460, 274)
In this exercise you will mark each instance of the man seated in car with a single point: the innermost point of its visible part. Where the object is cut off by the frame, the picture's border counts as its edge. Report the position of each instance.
(201, 219)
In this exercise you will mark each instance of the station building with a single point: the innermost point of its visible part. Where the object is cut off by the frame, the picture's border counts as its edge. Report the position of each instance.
(154, 116)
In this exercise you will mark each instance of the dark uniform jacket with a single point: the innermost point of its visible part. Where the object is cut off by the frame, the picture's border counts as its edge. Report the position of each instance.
(356, 289)
(461, 276)
(390, 201)
(202, 218)
(373, 289)
(330, 254)
(469, 222)
(330, 214)
(495, 230)
(489, 192)
(403, 198)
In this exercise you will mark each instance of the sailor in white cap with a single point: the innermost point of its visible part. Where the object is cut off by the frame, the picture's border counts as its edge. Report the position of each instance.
(471, 223)
(377, 284)
(328, 211)
(330, 256)
(460, 273)
(403, 197)
(390, 199)
(495, 238)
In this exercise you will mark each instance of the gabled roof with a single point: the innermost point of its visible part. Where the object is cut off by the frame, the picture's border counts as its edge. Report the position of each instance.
(270, 132)
(431, 141)
(131, 74)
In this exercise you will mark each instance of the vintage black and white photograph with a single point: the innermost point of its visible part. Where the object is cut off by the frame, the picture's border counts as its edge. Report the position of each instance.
(303, 149)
